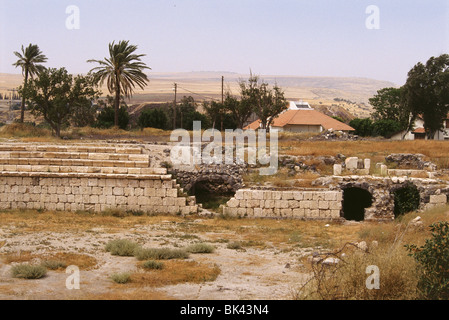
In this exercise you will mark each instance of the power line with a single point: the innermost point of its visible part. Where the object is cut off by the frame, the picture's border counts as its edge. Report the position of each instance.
(198, 94)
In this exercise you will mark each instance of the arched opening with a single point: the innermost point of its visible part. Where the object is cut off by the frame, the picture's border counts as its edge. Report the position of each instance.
(355, 201)
(211, 194)
(406, 199)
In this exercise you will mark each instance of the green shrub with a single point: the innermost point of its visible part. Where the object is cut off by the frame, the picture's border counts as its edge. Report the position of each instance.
(105, 118)
(160, 254)
(154, 118)
(433, 261)
(235, 245)
(154, 265)
(121, 278)
(406, 200)
(28, 271)
(200, 248)
(54, 264)
(122, 247)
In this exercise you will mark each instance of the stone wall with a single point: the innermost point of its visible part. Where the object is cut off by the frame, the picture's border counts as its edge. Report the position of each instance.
(310, 205)
(87, 177)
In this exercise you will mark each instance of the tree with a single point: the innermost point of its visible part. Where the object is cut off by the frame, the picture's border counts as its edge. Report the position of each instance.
(123, 70)
(216, 112)
(363, 127)
(386, 128)
(154, 118)
(106, 117)
(29, 61)
(55, 94)
(266, 103)
(390, 108)
(240, 110)
(427, 92)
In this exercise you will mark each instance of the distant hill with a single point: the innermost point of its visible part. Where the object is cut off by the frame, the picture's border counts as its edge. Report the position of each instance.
(343, 95)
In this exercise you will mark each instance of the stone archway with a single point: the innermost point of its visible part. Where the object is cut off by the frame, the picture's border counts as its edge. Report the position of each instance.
(355, 201)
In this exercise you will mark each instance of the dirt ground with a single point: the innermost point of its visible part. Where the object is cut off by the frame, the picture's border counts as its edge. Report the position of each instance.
(270, 267)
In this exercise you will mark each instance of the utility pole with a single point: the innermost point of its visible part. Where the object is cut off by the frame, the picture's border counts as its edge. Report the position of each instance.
(222, 103)
(174, 106)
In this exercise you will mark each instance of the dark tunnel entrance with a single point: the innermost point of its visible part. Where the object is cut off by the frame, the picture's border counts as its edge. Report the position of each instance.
(355, 201)
(211, 194)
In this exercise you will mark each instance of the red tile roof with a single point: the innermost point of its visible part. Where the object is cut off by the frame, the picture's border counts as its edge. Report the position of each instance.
(305, 117)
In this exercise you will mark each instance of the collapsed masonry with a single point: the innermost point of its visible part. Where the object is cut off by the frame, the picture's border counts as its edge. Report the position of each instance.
(358, 195)
(88, 177)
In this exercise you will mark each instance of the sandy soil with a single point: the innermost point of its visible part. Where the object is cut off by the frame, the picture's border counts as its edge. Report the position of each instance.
(253, 273)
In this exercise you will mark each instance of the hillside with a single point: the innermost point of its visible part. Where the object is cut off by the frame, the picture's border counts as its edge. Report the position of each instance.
(344, 97)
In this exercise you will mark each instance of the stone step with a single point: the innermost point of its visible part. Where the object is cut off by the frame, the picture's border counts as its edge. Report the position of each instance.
(81, 169)
(74, 162)
(59, 175)
(121, 149)
(72, 155)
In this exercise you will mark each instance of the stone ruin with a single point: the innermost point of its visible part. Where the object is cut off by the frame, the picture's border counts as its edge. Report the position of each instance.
(101, 176)
(87, 177)
(357, 195)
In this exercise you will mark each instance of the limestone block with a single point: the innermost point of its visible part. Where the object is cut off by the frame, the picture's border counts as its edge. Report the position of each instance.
(286, 212)
(233, 203)
(305, 204)
(247, 195)
(269, 204)
(367, 164)
(308, 195)
(323, 205)
(298, 213)
(351, 163)
(335, 205)
(239, 195)
(258, 212)
(319, 196)
(330, 196)
(257, 195)
(276, 195)
(267, 195)
(337, 169)
(383, 170)
(438, 199)
(287, 195)
(297, 195)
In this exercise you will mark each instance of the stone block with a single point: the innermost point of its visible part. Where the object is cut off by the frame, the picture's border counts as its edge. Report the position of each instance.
(438, 199)
(351, 163)
(337, 169)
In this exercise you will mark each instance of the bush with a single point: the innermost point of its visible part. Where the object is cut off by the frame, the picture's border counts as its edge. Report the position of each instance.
(105, 118)
(236, 245)
(363, 127)
(386, 128)
(122, 247)
(28, 271)
(347, 280)
(54, 264)
(160, 254)
(200, 248)
(121, 278)
(406, 200)
(153, 265)
(154, 118)
(433, 261)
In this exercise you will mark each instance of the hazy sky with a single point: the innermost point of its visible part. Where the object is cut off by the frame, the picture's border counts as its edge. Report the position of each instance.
(282, 37)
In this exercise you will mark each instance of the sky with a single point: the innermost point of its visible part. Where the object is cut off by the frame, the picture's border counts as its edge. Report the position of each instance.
(338, 38)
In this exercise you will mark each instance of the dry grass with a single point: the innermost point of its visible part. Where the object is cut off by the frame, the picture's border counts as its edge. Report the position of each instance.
(62, 221)
(175, 272)
(376, 150)
(82, 261)
(121, 294)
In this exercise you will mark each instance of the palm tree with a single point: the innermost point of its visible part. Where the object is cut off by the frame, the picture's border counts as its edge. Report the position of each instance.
(29, 61)
(123, 70)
